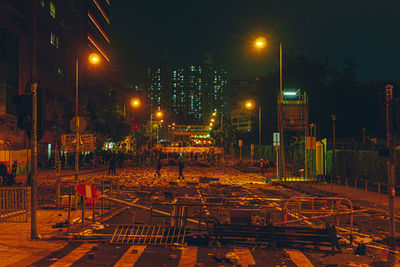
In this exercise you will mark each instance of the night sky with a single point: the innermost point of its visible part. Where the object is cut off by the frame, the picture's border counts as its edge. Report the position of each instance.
(364, 31)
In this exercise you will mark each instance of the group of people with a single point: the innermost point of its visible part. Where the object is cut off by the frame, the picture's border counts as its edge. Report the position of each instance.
(8, 178)
(181, 166)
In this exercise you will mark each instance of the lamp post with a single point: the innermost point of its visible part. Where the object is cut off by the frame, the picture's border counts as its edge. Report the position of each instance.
(333, 117)
(93, 59)
(159, 115)
(390, 163)
(250, 105)
(261, 43)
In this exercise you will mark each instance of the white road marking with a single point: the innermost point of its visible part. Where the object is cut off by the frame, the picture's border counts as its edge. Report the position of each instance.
(245, 256)
(188, 257)
(75, 255)
(299, 258)
(129, 258)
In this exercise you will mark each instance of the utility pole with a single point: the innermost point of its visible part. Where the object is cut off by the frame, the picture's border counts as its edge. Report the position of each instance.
(333, 117)
(280, 119)
(34, 88)
(259, 131)
(390, 163)
(77, 130)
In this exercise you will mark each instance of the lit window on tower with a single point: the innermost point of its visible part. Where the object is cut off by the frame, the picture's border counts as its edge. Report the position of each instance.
(52, 9)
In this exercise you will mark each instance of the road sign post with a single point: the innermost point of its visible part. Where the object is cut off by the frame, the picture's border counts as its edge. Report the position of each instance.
(240, 149)
(251, 153)
(276, 143)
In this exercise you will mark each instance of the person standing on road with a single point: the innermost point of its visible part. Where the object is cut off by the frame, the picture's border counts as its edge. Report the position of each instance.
(3, 173)
(180, 167)
(113, 165)
(262, 165)
(14, 168)
(158, 167)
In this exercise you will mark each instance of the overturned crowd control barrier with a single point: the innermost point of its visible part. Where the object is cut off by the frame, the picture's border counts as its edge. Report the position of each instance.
(148, 235)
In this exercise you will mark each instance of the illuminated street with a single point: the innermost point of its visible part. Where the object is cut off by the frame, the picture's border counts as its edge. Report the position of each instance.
(139, 186)
(199, 133)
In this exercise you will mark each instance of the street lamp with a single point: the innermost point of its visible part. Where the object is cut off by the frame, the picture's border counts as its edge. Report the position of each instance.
(260, 43)
(135, 103)
(333, 117)
(93, 59)
(250, 105)
(159, 115)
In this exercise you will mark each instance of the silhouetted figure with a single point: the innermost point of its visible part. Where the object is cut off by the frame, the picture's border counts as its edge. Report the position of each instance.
(113, 165)
(3, 173)
(180, 167)
(158, 167)
(14, 168)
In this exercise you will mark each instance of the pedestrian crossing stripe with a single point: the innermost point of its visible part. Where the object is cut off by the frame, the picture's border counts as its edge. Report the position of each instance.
(245, 256)
(299, 258)
(188, 257)
(75, 255)
(129, 258)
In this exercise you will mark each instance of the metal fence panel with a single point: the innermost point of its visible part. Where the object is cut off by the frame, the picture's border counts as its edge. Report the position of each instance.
(14, 204)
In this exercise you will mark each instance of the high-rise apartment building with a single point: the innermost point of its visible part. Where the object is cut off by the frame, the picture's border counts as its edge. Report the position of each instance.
(188, 95)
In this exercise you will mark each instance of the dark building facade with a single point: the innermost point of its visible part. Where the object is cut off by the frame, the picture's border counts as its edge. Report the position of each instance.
(42, 40)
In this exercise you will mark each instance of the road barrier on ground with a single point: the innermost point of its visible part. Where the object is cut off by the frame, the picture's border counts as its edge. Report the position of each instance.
(14, 204)
(318, 211)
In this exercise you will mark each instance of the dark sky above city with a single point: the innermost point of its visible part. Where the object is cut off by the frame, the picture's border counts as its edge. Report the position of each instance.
(365, 31)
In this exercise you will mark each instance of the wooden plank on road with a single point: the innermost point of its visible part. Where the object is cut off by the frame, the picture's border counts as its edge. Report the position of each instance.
(129, 258)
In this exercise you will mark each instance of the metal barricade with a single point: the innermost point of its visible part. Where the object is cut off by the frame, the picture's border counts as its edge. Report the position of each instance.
(307, 210)
(14, 204)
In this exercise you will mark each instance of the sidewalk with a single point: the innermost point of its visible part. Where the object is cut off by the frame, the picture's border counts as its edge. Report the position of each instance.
(359, 195)
(51, 173)
(16, 248)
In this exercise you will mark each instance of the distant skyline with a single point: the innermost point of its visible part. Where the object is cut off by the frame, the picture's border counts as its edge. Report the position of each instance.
(363, 31)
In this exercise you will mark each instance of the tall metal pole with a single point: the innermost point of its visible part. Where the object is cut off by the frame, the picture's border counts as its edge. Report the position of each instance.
(34, 86)
(333, 150)
(34, 148)
(280, 122)
(390, 164)
(259, 131)
(76, 129)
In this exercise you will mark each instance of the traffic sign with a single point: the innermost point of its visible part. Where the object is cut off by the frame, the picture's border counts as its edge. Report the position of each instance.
(87, 142)
(276, 141)
(88, 191)
(82, 124)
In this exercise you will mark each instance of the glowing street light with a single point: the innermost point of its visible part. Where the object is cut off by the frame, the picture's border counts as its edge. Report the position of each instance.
(260, 42)
(249, 104)
(212, 120)
(214, 114)
(211, 124)
(135, 103)
(159, 114)
(94, 58)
